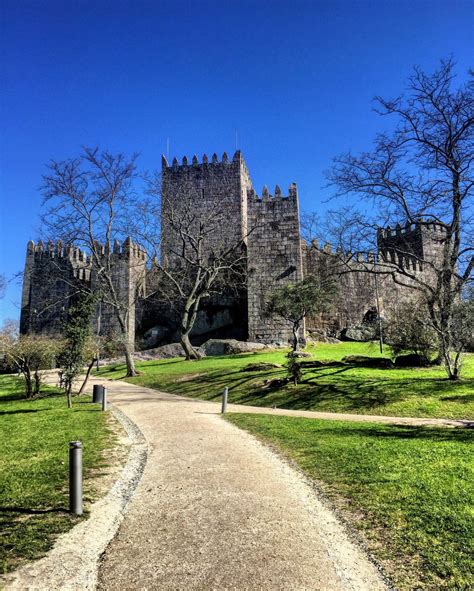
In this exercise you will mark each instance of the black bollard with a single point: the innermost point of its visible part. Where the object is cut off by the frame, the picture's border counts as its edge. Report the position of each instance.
(97, 393)
(75, 477)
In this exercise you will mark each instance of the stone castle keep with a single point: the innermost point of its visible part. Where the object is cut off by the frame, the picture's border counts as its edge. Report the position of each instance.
(275, 254)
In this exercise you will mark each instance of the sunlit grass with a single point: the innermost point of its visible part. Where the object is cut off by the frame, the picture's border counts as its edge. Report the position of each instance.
(408, 490)
(421, 392)
(34, 437)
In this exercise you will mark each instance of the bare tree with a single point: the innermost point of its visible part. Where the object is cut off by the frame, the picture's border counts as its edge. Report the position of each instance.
(30, 354)
(88, 203)
(420, 173)
(192, 260)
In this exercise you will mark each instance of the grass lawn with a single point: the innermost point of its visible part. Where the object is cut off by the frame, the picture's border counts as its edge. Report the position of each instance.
(420, 392)
(408, 490)
(34, 438)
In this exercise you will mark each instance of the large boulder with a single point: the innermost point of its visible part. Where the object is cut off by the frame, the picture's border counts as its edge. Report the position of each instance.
(297, 354)
(154, 336)
(216, 347)
(317, 363)
(361, 333)
(164, 352)
(319, 335)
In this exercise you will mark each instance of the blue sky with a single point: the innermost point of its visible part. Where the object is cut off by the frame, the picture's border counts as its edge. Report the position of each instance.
(295, 78)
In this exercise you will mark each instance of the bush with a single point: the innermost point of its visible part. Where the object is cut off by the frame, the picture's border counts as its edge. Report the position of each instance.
(30, 354)
(410, 331)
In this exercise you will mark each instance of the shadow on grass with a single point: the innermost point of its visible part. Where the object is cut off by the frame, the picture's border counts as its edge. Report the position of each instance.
(20, 396)
(26, 410)
(463, 399)
(434, 434)
(28, 511)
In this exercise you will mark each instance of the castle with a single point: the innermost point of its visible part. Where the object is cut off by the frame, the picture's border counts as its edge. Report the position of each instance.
(275, 253)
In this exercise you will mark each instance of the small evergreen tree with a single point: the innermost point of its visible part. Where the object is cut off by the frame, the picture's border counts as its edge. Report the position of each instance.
(295, 372)
(77, 330)
(294, 301)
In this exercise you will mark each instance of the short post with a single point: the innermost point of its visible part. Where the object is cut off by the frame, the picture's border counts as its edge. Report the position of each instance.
(75, 477)
(104, 398)
(97, 393)
(224, 399)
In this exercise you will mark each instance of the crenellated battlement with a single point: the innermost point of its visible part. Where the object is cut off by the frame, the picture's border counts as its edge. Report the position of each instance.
(420, 242)
(411, 229)
(205, 161)
(56, 250)
(386, 256)
(403, 261)
(266, 196)
(128, 249)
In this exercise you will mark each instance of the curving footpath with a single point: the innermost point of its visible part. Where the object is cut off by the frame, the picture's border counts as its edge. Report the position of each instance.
(215, 509)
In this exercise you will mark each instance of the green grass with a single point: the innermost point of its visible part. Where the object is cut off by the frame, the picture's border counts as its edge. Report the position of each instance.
(34, 438)
(408, 490)
(423, 392)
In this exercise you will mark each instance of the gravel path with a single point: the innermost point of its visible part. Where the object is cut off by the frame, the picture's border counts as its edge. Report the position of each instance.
(215, 509)
(339, 416)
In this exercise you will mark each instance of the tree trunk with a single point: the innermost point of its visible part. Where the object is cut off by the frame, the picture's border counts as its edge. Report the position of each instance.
(131, 371)
(68, 394)
(451, 364)
(189, 351)
(441, 323)
(187, 322)
(294, 344)
(130, 362)
(28, 383)
(86, 379)
(37, 378)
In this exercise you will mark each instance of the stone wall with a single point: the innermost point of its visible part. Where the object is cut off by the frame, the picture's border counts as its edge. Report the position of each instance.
(128, 265)
(357, 296)
(274, 258)
(54, 275)
(207, 192)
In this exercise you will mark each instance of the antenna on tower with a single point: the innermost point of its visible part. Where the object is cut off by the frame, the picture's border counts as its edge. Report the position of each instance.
(168, 149)
(236, 139)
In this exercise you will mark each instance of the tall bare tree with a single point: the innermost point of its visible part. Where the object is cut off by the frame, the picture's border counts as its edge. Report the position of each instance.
(192, 258)
(421, 172)
(88, 203)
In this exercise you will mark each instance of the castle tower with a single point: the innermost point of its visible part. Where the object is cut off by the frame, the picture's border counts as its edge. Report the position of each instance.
(51, 276)
(274, 258)
(128, 269)
(412, 245)
(209, 187)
